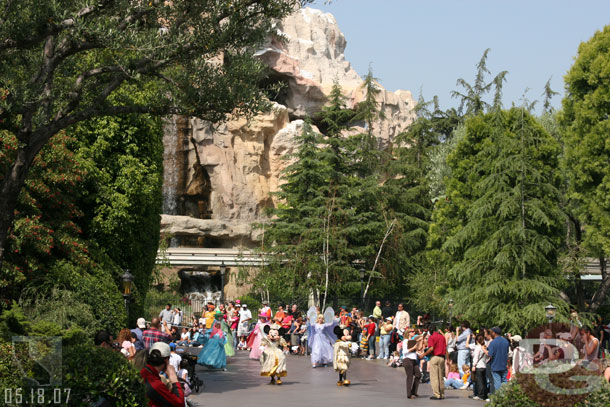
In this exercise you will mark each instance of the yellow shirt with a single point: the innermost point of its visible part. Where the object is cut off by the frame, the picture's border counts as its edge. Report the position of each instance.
(209, 319)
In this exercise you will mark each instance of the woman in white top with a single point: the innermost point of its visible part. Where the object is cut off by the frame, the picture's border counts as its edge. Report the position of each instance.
(177, 317)
(479, 366)
(410, 364)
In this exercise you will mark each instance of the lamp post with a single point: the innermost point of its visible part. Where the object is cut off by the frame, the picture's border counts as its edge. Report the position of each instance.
(450, 311)
(550, 313)
(127, 280)
(223, 270)
(362, 272)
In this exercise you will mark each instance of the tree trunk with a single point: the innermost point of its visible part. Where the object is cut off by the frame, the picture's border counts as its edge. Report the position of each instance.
(580, 289)
(9, 192)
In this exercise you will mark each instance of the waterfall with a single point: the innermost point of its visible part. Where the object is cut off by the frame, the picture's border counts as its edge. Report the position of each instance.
(201, 286)
(170, 166)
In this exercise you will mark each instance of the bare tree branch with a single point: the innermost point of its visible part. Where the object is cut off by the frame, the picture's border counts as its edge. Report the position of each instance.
(387, 233)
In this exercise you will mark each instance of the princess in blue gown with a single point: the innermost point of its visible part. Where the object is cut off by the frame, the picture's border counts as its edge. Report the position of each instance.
(321, 340)
(213, 355)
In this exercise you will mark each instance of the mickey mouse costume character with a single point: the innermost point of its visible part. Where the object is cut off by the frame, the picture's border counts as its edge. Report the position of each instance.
(341, 357)
(273, 359)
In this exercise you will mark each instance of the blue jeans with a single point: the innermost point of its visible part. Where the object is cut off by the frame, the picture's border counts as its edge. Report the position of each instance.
(372, 341)
(384, 346)
(499, 378)
(454, 383)
(463, 359)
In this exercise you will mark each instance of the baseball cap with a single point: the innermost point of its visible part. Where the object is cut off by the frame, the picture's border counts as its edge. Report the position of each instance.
(244, 305)
(141, 323)
(497, 330)
(163, 348)
(517, 338)
(172, 346)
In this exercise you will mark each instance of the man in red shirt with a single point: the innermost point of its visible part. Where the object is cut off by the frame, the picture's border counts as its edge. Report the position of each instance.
(158, 393)
(437, 346)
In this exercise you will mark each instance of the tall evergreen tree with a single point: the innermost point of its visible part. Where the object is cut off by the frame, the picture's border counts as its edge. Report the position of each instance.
(506, 252)
(473, 98)
(295, 238)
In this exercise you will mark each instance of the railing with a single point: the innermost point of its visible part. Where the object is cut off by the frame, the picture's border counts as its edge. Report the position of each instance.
(189, 308)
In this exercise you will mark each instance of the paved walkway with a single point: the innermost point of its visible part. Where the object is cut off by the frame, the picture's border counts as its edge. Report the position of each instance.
(373, 385)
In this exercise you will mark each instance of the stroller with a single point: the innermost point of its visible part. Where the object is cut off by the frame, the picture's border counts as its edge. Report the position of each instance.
(196, 383)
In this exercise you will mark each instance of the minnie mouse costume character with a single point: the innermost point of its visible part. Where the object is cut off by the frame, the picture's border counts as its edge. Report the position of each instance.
(273, 359)
(341, 357)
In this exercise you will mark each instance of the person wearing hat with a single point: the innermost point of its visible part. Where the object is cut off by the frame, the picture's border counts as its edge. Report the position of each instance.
(498, 354)
(523, 359)
(137, 332)
(174, 358)
(209, 315)
(158, 392)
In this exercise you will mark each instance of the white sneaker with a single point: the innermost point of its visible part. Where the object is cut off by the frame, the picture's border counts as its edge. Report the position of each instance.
(487, 400)
(476, 398)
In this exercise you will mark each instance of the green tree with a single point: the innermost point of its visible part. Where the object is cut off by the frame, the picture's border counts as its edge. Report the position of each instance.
(585, 127)
(505, 253)
(65, 62)
(473, 98)
(46, 228)
(298, 237)
(121, 198)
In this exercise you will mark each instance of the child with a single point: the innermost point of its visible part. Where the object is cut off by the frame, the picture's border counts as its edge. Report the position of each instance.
(364, 343)
(242, 344)
(453, 378)
(394, 360)
(465, 377)
(183, 377)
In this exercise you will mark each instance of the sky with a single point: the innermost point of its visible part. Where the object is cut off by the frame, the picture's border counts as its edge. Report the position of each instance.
(428, 44)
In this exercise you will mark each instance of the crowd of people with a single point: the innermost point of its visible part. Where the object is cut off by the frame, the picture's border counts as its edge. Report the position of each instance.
(463, 358)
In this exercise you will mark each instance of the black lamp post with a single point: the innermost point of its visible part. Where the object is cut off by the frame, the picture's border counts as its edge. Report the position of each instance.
(550, 313)
(127, 280)
(362, 272)
(450, 311)
(223, 270)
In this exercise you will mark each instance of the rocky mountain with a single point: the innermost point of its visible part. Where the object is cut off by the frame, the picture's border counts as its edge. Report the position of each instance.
(218, 179)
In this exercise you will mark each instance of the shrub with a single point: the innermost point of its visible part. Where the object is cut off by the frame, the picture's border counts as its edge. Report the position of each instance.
(10, 374)
(93, 372)
(600, 398)
(511, 395)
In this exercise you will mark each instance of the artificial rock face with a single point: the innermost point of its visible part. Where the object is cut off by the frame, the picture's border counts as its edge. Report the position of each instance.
(227, 172)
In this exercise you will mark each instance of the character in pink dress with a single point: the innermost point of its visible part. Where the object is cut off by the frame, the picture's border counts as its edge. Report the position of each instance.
(257, 335)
